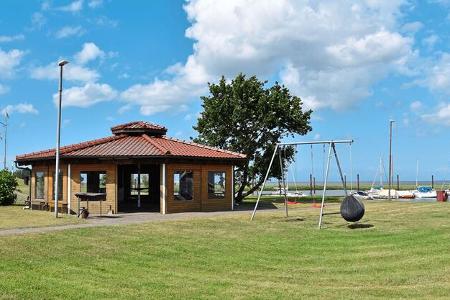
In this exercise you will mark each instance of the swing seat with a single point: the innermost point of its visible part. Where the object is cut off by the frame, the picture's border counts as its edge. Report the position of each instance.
(352, 210)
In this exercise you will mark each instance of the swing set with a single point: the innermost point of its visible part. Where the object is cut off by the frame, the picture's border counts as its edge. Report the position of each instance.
(351, 209)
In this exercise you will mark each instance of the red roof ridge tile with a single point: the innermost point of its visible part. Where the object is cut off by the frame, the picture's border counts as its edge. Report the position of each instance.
(156, 144)
(140, 123)
(204, 146)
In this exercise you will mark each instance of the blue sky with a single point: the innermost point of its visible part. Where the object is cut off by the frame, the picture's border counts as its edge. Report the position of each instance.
(356, 63)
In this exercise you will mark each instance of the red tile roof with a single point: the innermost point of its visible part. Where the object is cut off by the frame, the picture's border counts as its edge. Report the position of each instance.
(134, 144)
(139, 127)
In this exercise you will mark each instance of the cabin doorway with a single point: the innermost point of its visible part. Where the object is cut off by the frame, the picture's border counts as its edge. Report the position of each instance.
(138, 188)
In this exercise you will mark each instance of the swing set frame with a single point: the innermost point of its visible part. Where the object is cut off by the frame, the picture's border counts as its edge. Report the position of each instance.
(331, 151)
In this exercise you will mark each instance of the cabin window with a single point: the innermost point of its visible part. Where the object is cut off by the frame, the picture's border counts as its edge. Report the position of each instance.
(216, 184)
(143, 187)
(183, 185)
(93, 181)
(60, 185)
(39, 185)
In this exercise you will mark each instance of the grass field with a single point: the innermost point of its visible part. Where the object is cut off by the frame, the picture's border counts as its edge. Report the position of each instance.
(400, 250)
(16, 217)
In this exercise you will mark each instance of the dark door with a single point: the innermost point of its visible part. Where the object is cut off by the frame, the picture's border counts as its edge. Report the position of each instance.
(138, 188)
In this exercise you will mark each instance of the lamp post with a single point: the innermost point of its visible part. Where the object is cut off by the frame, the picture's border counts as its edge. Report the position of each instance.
(61, 64)
(391, 122)
(5, 124)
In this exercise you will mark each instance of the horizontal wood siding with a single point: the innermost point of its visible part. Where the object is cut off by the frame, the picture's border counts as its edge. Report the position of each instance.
(111, 179)
(200, 201)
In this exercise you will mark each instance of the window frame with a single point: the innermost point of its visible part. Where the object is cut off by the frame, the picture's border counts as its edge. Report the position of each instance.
(179, 197)
(98, 173)
(36, 185)
(214, 194)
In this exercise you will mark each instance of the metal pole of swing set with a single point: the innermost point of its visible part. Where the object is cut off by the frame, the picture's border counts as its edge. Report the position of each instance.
(61, 64)
(390, 158)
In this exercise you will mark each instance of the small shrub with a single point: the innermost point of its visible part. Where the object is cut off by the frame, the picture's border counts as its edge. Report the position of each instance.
(8, 185)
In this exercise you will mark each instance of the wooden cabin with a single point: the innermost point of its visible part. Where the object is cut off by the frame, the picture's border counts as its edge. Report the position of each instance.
(138, 168)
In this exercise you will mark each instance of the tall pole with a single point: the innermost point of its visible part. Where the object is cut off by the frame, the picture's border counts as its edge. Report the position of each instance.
(390, 158)
(6, 132)
(58, 134)
(5, 125)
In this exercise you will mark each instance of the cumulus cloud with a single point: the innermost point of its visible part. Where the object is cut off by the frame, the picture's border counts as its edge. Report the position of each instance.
(95, 3)
(73, 7)
(3, 89)
(21, 108)
(11, 38)
(9, 61)
(416, 105)
(72, 72)
(89, 52)
(440, 116)
(68, 31)
(329, 53)
(438, 75)
(87, 95)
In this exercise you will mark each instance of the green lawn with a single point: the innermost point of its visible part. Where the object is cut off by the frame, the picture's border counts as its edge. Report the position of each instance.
(17, 217)
(404, 255)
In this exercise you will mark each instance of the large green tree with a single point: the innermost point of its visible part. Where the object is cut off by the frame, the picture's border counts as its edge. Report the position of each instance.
(247, 117)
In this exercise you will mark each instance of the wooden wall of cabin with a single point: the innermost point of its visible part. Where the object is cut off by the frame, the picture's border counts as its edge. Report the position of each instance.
(94, 206)
(201, 200)
(48, 170)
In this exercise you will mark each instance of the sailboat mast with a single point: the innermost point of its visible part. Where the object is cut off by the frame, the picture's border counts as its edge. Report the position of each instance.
(417, 173)
(391, 122)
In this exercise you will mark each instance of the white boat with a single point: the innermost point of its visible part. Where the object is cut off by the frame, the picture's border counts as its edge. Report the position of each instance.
(406, 195)
(360, 195)
(425, 192)
(381, 193)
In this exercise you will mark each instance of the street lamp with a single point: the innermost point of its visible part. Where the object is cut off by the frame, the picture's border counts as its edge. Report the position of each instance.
(61, 64)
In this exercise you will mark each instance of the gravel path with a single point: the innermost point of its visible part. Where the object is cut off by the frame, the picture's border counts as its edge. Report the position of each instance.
(122, 219)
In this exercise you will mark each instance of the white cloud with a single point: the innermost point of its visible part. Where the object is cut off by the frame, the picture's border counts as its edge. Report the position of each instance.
(72, 72)
(430, 41)
(68, 31)
(9, 61)
(3, 89)
(416, 105)
(438, 75)
(89, 52)
(21, 108)
(441, 115)
(412, 27)
(87, 95)
(73, 7)
(11, 38)
(329, 53)
(95, 3)
(37, 21)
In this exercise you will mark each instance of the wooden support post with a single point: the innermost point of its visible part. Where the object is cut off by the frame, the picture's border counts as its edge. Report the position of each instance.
(310, 185)
(432, 181)
(314, 185)
(398, 182)
(357, 181)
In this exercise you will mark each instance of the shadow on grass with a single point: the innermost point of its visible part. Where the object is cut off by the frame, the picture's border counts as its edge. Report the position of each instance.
(360, 226)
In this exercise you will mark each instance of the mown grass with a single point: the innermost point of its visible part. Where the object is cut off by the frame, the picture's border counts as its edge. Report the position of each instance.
(400, 250)
(16, 217)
